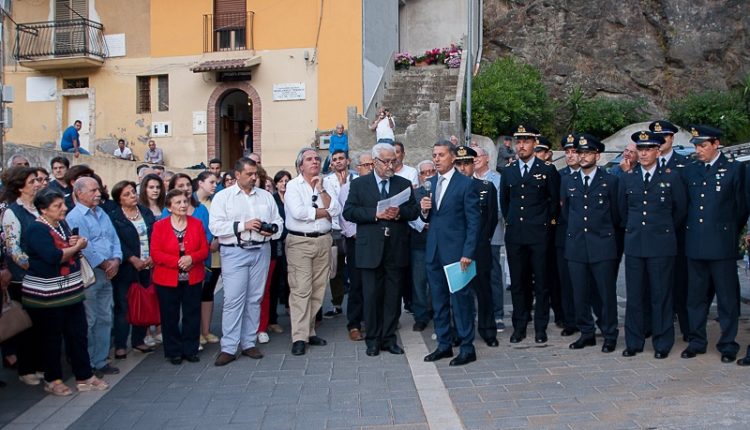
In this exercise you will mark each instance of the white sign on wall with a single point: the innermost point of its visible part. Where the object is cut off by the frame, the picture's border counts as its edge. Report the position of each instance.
(290, 91)
(41, 88)
(115, 45)
(199, 122)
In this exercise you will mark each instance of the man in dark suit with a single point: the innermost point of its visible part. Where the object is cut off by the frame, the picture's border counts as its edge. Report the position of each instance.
(530, 198)
(453, 214)
(652, 203)
(589, 204)
(382, 247)
(715, 217)
(481, 284)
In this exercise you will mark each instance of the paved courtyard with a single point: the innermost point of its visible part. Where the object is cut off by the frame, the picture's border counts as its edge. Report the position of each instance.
(338, 386)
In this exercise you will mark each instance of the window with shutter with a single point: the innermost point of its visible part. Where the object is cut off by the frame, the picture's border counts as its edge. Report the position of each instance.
(143, 95)
(69, 36)
(71, 9)
(230, 20)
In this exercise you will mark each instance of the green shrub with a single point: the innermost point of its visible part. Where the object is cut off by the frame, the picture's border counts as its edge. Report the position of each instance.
(505, 93)
(602, 117)
(726, 110)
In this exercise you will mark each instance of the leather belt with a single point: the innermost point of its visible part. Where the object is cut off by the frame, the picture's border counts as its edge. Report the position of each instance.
(251, 243)
(299, 233)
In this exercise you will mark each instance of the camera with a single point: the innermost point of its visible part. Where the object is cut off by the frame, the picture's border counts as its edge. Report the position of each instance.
(269, 227)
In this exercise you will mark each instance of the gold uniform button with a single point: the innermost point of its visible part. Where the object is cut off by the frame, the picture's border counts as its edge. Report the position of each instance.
(523, 197)
(645, 191)
(645, 202)
(521, 207)
(585, 207)
(701, 208)
(644, 213)
(703, 195)
(585, 229)
(585, 219)
(522, 185)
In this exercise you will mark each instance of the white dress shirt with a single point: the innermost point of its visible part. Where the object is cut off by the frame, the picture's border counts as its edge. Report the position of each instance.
(448, 175)
(410, 173)
(300, 213)
(233, 205)
(333, 186)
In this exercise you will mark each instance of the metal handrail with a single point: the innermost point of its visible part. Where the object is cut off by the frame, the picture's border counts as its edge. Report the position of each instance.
(228, 32)
(64, 38)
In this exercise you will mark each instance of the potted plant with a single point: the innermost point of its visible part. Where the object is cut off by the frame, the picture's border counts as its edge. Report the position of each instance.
(403, 61)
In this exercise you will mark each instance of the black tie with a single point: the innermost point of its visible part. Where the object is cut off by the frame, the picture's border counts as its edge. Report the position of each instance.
(646, 179)
(585, 183)
(525, 170)
(383, 192)
(663, 163)
(708, 167)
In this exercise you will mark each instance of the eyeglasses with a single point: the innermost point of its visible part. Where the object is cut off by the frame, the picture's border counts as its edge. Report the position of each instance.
(365, 164)
(427, 172)
(388, 162)
(315, 199)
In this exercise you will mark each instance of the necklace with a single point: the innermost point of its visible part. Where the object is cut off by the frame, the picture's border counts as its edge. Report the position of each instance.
(58, 230)
(134, 217)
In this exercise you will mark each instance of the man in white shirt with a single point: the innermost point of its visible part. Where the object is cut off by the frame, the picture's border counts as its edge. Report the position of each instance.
(401, 169)
(383, 126)
(244, 219)
(122, 151)
(153, 155)
(309, 210)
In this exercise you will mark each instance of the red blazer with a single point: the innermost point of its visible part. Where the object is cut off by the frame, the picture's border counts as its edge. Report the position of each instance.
(165, 251)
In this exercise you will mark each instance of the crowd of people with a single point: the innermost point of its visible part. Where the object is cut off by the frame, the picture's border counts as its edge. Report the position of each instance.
(381, 234)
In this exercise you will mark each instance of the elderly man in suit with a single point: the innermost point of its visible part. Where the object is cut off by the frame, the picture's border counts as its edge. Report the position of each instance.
(453, 213)
(382, 248)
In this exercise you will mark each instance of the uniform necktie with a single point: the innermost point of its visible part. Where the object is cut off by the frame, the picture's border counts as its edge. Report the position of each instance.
(663, 162)
(525, 170)
(647, 178)
(586, 183)
(439, 190)
(383, 192)
(708, 167)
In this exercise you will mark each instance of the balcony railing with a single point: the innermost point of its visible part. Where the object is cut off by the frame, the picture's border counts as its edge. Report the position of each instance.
(228, 32)
(60, 39)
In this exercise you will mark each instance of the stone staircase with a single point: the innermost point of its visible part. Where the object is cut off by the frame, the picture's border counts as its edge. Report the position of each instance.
(410, 92)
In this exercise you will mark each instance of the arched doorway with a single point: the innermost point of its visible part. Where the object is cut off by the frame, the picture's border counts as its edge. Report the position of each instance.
(232, 107)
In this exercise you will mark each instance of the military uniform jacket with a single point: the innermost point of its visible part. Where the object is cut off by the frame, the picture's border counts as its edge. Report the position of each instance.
(717, 209)
(651, 214)
(530, 203)
(592, 217)
(561, 228)
(487, 222)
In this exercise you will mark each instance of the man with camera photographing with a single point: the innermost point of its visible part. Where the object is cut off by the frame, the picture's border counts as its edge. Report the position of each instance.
(244, 219)
(383, 126)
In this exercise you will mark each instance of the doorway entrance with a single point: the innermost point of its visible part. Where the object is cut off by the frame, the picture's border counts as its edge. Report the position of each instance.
(77, 109)
(234, 122)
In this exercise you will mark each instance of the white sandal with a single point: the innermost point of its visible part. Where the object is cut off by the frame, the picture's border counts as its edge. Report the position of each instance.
(57, 388)
(92, 384)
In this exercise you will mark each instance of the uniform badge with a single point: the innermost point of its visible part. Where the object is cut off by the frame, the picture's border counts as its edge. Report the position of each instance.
(667, 170)
(722, 170)
(663, 199)
(718, 188)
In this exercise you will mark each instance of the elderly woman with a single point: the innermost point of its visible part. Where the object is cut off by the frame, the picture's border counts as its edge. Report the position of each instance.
(152, 194)
(21, 185)
(205, 191)
(133, 224)
(179, 249)
(53, 295)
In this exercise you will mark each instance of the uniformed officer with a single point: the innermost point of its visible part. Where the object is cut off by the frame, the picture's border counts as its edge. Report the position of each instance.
(669, 159)
(715, 219)
(529, 199)
(481, 284)
(589, 204)
(572, 161)
(652, 205)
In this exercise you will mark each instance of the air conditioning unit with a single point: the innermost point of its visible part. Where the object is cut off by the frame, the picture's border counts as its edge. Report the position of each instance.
(161, 129)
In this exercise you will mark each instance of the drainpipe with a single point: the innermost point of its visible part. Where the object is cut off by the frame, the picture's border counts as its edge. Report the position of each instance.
(469, 69)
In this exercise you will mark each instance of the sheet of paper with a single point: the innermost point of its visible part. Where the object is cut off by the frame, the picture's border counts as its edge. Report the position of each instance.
(395, 201)
(457, 278)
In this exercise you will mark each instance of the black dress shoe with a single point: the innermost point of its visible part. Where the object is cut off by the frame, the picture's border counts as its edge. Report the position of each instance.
(685, 338)
(419, 326)
(744, 361)
(438, 354)
(628, 352)
(609, 346)
(393, 349)
(492, 342)
(298, 347)
(464, 358)
(691, 353)
(372, 351)
(317, 341)
(728, 358)
(176, 360)
(540, 337)
(191, 358)
(517, 336)
(659, 355)
(583, 343)
(568, 331)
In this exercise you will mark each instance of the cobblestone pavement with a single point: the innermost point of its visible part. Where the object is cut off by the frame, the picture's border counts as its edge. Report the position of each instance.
(338, 386)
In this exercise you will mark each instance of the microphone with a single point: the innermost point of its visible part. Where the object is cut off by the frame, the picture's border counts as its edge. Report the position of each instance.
(428, 187)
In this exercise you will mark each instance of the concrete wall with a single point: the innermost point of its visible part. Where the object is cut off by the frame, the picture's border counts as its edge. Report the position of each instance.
(428, 24)
(380, 34)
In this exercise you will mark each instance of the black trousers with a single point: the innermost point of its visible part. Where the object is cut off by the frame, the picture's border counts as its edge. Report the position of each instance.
(522, 261)
(567, 300)
(722, 274)
(482, 287)
(180, 339)
(354, 312)
(554, 286)
(680, 293)
(381, 291)
(590, 281)
(652, 276)
(55, 325)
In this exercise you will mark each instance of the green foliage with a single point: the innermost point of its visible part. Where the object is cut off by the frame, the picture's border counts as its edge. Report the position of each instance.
(506, 93)
(602, 117)
(727, 110)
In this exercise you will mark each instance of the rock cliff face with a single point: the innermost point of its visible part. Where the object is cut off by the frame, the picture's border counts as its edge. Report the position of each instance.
(656, 49)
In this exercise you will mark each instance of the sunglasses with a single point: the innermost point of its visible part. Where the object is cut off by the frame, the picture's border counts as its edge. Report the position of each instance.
(315, 199)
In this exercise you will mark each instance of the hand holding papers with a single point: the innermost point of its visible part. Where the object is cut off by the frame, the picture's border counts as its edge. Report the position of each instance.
(457, 278)
(394, 202)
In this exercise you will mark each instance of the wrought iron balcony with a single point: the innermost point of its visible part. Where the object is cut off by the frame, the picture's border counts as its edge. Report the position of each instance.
(228, 32)
(59, 44)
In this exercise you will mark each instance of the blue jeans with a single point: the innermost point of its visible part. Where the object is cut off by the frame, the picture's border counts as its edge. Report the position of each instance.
(497, 281)
(99, 318)
(80, 150)
(386, 140)
(421, 302)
